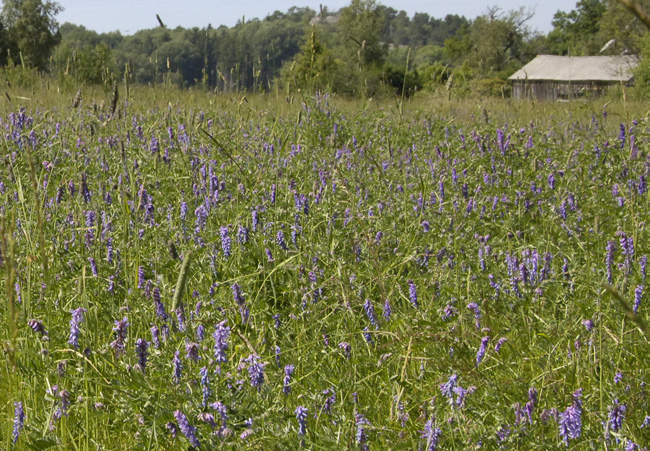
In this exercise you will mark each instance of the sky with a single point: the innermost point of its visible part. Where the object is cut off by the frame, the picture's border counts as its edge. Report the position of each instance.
(129, 16)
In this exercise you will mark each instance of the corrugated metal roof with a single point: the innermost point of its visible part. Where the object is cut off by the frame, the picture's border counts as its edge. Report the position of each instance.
(577, 68)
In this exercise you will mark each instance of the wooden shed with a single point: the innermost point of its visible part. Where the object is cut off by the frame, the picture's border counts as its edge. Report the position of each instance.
(551, 77)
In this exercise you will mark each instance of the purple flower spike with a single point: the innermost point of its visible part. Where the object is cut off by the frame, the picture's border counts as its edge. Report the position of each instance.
(120, 330)
(638, 294)
(301, 416)
(178, 367)
(361, 436)
(387, 310)
(221, 335)
(286, 382)
(192, 352)
(413, 294)
(570, 422)
(141, 347)
(281, 241)
(481, 350)
(77, 318)
(19, 421)
(473, 306)
(346, 348)
(37, 326)
(615, 418)
(225, 241)
(205, 385)
(431, 434)
(187, 429)
(255, 371)
(370, 311)
(500, 343)
(447, 388)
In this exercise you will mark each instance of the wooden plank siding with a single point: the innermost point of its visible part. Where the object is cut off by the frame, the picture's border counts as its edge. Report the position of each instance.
(560, 90)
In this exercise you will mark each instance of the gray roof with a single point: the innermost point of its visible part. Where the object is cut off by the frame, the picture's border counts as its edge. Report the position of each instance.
(577, 68)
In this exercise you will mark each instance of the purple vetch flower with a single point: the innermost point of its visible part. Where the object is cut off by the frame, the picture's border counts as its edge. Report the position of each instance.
(413, 294)
(225, 241)
(330, 400)
(370, 311)
(222, 411)
(158, 305)
(387, 311)
(301, 416)
(239, 299)
(500, 342)
(184, 209)
(255, 371)
(589, 324)
(37, 326)
(346, 348)
(621, 136)
(286, 382)
(367, 336)
(431, 434)
(93, 266)
(481, 350)
(269, 254)
(426, 226)
(205, 385)
(187, 429)
(276, 321)
(207, 418)
(178, 367)
(201, 213)
(141, 277)
(221, 335)
(361, 436)
(19, 421)
(618, 377)
(64, 397)
(120, 330)
(192, 351)
(242, 234)
(255, 220)
(281, 241)
(77, 318)
(448, 312)
(643, 261)
(570, 421)
(473, 306)
(609, 259)
(141, 347)
(530, 405)
(615, 418)
(155, 335)
(278, 353)
(172, 428)
(638, 294)
(447, 388)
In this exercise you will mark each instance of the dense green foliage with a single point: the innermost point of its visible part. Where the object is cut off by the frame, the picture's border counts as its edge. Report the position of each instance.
(365, 49)
(28, 32)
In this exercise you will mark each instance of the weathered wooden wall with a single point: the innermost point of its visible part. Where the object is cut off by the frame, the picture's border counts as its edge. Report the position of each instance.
(558, 90)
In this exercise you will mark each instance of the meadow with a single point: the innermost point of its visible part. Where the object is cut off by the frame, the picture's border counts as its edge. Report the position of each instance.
(188, 270)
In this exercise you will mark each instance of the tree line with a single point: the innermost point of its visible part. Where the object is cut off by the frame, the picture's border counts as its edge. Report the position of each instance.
(364, 48)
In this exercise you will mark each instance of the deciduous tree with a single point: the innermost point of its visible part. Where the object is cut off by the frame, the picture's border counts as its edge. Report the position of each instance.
(31, 30)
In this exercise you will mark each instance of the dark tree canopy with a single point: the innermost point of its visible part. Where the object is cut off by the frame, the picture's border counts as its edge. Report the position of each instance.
(31, 30)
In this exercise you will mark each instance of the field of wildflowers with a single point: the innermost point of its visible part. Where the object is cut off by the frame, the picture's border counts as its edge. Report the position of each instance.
(330, 279)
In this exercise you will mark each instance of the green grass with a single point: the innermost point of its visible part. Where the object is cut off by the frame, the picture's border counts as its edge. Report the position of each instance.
(364, 167)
